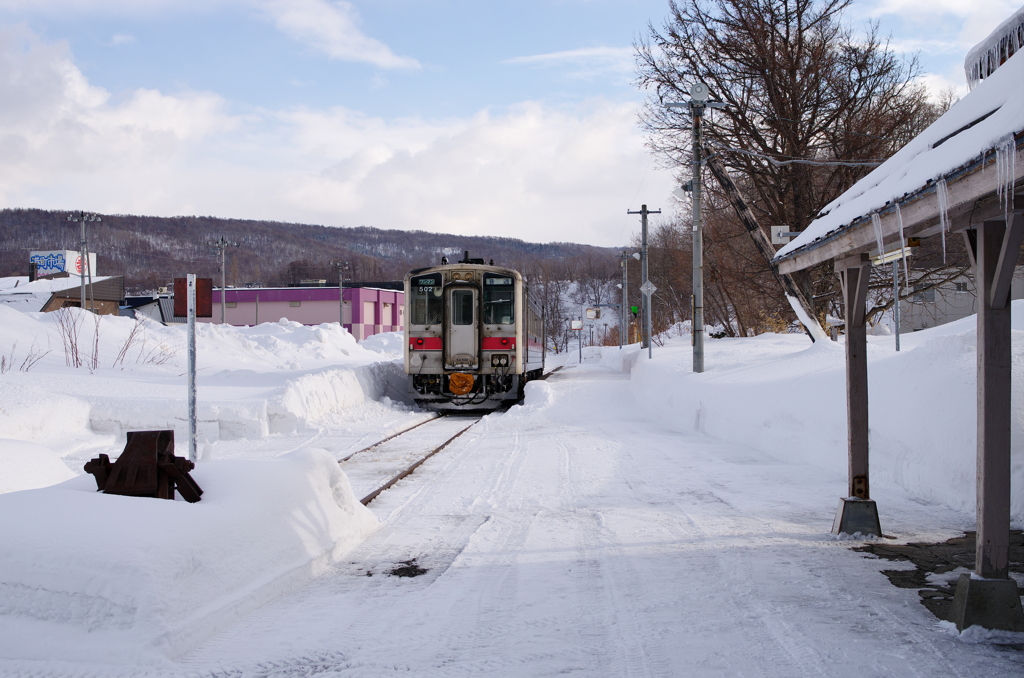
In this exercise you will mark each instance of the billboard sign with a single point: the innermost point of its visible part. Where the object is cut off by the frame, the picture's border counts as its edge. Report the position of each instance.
(49, 262)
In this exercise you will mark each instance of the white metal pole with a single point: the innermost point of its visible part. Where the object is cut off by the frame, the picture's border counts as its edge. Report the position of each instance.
(192, 367)
(81, 258)
(896, 300)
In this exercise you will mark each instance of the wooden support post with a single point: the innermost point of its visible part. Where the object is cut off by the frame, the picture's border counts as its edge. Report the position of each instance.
(992, 599)
(996, 254)
(857, 513)
(854, 273)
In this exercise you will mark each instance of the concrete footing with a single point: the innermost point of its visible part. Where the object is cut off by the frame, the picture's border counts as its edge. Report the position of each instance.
(989, 603)
(857, 515)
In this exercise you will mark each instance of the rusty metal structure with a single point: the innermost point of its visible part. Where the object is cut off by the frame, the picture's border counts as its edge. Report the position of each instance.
(146, 468)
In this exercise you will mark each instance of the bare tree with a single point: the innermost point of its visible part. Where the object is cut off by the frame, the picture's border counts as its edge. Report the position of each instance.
(812, 107)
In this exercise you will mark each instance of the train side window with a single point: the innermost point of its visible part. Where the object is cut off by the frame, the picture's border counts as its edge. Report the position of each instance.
(499, 300)
(426, 300)
(462, 307)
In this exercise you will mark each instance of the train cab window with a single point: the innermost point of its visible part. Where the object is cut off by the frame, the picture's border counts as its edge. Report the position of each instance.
(462, 307)
(499, 300)
(426, 304)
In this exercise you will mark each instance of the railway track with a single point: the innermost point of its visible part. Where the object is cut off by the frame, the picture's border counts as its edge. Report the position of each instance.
(376, 468)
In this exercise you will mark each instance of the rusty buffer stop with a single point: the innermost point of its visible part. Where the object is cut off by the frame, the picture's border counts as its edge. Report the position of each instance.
(146, 468)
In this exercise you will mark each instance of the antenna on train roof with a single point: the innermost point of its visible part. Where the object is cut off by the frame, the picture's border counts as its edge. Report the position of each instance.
(444, 261)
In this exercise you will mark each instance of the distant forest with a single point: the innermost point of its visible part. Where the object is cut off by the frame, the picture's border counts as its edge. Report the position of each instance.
(150, 251)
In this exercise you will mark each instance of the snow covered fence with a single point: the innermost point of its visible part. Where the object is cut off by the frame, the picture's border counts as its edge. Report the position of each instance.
(130, 580)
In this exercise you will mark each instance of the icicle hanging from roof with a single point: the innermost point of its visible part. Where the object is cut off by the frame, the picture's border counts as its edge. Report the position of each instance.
(876, 221)
(942, 195)
(903, 244)
(1006, 167)
(985, 57)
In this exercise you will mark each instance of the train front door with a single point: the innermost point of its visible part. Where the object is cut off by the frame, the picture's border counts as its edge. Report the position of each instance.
(462, 345)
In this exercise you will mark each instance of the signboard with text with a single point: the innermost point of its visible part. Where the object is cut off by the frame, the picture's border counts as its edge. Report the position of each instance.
(49, 262)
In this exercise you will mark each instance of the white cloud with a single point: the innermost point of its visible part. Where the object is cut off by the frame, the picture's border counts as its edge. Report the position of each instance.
(54, 125)
(122, 39)
(331, 27)
(328, 26)
(531, 171)
(586, 62)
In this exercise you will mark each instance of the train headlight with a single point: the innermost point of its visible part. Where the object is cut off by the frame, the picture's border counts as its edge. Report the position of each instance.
(499, 360)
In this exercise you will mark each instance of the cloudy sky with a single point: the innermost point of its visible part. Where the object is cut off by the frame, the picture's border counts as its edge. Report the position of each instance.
(464, 116)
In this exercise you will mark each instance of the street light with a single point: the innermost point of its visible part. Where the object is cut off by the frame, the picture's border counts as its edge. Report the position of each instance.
(220, 246)
(82, 217)
(698, 102)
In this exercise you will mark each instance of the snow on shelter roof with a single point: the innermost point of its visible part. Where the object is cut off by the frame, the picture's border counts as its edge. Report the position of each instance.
(985, 57)
(988, 117)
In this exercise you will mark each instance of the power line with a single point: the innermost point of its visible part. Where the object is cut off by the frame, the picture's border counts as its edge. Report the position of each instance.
(794, 160)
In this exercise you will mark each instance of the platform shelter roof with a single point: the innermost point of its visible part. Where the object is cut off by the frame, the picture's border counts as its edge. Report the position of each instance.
(963, 166)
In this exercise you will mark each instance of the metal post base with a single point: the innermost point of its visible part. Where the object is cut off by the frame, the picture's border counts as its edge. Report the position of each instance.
(857, 515)
(989, 603)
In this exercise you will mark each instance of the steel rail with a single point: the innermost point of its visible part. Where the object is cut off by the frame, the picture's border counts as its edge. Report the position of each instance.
(409, 469)
(390, 437)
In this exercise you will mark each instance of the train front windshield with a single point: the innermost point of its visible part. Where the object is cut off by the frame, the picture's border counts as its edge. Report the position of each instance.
(426, 300)
(499, 300)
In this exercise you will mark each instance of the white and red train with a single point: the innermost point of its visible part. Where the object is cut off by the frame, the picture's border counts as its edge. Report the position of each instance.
(474, 336)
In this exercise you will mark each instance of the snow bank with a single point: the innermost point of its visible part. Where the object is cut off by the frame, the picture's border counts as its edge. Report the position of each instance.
(27, 466)
(307, 400)
(785, 396)
(29, 412)
(387, 343)
(94, 577)
(252, 382)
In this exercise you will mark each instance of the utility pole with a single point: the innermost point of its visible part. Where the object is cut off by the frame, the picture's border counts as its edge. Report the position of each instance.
(697, 109)
(220, 246)
(647, 288)
(697, 103)
(343, 268)
(83, 217)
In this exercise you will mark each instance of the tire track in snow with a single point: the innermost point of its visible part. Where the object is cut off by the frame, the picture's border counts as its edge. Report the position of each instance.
(620, 586)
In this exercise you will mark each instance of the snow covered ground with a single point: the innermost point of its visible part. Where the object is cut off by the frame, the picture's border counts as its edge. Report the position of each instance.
(630, 519)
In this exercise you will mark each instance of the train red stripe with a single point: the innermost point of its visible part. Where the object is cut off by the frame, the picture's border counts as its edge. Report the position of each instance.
(425, 343)
(498, 343)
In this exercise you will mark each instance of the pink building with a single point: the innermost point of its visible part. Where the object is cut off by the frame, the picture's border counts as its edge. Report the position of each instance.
(367, 310)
